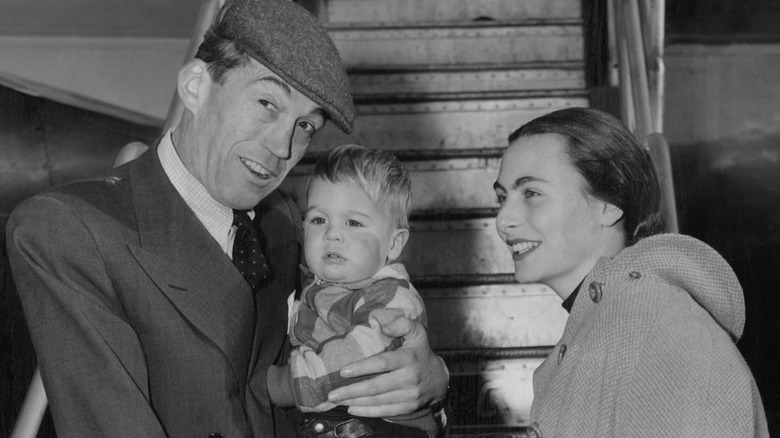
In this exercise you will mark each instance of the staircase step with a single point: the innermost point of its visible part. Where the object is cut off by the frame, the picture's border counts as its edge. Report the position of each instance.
(436, 125)
(455, 248)
(467, 431)
(465, 43)
(353, 11)
(433, 81)
(459, 183)
(491, 390)
(492, 316)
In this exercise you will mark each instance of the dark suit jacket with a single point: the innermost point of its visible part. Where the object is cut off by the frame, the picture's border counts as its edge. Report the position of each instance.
(141, 324)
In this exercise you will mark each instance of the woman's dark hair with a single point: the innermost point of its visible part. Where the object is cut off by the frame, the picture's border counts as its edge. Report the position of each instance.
(616, 168)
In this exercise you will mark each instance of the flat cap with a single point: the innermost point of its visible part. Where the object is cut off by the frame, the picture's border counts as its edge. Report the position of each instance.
(291, 42)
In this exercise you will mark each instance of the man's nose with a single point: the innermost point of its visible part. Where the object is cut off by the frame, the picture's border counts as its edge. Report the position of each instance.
(279, 139)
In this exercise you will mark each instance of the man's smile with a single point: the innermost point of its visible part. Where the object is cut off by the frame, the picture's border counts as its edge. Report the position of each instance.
(257, 169)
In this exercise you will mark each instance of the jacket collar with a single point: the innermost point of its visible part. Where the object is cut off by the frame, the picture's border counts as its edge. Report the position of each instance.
(188, 265)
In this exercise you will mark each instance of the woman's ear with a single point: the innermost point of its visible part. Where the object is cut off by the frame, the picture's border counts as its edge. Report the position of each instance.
(193, 84)
(397, 243)
(611, 214)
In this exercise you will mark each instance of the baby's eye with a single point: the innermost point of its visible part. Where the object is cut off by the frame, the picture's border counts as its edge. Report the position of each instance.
(354, 223)
(317, 220)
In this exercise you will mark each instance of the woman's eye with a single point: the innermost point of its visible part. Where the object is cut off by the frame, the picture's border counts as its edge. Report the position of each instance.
(354, 223)
(530, 193)
(500, 198)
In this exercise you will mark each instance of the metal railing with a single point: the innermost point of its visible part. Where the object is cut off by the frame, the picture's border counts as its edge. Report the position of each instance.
(636, 44)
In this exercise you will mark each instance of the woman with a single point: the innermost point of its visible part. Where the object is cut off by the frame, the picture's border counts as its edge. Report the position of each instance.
(648, 349)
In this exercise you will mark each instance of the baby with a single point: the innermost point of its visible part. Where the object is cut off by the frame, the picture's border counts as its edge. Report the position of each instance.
(356, 225)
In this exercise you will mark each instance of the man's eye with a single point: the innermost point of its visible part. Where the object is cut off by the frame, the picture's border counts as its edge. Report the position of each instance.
(354, 223)
(266, 103)
(308, 127)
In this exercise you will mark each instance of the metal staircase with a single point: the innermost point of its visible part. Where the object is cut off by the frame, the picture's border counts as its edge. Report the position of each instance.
(442, 83)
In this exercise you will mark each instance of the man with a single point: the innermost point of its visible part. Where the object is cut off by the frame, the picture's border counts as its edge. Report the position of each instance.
(141, 323)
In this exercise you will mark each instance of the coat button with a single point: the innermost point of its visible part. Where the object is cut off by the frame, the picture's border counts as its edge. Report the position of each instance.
(319, 427)
(533, 430)
(595, 291)
(216, 435)
(561, 353)
(635, 275)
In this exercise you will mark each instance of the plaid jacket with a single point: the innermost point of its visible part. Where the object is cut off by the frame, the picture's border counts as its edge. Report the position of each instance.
(334, 325)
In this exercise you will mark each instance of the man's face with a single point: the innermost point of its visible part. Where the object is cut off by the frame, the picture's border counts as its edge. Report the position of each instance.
(248, 133)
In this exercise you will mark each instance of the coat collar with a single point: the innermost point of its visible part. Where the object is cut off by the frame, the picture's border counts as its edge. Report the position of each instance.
(188, 265)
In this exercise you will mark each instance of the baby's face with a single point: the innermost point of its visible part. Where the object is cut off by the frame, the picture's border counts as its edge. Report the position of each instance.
(348, 237)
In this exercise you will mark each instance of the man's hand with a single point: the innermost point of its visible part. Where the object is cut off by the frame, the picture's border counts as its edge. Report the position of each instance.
(411, 376)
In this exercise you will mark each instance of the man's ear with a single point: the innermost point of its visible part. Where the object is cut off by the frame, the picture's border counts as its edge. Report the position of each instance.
(611, 214)
(194, 84)
(397, 243)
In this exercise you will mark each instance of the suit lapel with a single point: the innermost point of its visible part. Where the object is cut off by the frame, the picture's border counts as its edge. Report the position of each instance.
(274, 220)
(188, 265)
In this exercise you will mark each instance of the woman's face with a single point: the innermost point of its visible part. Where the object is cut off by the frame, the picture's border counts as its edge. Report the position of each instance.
(553, 229)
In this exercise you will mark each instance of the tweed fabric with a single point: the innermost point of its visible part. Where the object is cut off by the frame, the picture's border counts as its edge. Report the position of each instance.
(292, 43)
(648, 350)
(335, 325)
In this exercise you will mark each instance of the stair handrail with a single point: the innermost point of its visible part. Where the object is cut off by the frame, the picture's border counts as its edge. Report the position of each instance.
(636, 43)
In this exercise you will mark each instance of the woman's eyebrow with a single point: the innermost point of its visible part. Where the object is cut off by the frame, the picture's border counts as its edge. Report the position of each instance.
(518, 182)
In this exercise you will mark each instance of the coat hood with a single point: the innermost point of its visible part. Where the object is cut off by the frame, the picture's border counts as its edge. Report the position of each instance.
(695, 267)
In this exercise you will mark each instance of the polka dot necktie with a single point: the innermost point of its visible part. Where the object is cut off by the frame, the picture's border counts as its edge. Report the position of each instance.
(248, 254)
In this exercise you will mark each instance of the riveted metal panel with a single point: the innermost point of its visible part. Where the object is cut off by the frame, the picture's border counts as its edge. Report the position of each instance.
(456, 247)
(440, 184)
(440, 125)
(485, 79)
(492, 389)
(433, 10)
(494, 316)
(458, 45)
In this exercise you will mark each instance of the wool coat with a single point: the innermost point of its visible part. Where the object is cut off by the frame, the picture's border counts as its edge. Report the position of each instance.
(648, 350)
(141, 324)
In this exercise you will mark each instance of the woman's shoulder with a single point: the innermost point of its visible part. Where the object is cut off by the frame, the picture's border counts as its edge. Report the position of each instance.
(674, 262)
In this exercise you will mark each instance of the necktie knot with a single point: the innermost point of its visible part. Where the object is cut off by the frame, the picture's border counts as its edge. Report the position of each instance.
(248, 255)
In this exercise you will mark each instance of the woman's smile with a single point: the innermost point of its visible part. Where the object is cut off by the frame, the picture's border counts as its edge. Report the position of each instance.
(521, 248)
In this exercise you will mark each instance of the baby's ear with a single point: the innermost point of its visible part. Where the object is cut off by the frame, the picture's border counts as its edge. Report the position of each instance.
(397, 243)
